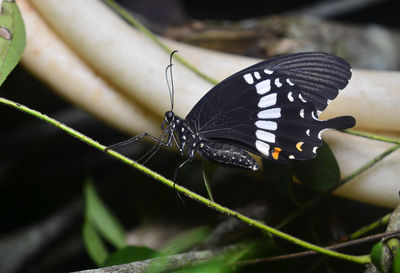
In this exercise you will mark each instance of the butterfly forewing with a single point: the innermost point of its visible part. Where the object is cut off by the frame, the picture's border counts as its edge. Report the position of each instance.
(271, 108)
(319, 75)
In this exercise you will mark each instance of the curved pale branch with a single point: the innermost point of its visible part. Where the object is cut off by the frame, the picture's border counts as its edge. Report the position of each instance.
(99, 62)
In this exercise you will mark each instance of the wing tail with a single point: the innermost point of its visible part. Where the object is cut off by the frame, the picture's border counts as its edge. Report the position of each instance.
(340, 123)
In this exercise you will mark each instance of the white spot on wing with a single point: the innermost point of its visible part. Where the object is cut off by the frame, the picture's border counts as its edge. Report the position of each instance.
(278, 83)
(302, 113)
(267, 71)
(289, 82)
(266, 136)
(262, 147)
(291, 156)
(270, 113)
(314, 150)
(248, 78)
(267, 101)
(301, 98)
(308, 132)
(267, 125)
(257, 75)
(320, 133)
(263, 87)
(290, 97)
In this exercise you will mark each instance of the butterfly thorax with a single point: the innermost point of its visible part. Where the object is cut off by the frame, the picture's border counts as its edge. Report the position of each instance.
(186, 138)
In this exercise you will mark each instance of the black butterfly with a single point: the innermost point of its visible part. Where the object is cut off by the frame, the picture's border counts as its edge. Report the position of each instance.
(270, 109)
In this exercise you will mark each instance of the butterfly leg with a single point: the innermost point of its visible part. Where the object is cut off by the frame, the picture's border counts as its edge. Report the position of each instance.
(168, 143)
(179, 167)
(149, 154)
(176, 175)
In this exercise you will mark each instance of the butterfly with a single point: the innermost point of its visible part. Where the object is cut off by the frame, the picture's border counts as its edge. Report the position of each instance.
(269, 109)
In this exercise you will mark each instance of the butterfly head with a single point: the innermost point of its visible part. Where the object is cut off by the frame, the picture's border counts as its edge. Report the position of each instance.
(169, 117)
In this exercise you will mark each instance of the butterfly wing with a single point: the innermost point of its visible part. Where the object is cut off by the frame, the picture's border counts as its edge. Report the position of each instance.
(271, 110)
(319, 75)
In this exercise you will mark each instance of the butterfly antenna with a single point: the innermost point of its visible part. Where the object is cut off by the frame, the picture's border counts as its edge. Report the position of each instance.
(170, 87)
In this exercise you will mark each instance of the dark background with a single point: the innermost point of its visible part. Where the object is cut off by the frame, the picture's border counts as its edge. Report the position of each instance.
(42, 169)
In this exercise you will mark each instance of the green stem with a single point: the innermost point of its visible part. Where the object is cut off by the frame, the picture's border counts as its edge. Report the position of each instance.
(372, 136)
(356, 259)
(381, 222)
(346, 179)
(130, 19)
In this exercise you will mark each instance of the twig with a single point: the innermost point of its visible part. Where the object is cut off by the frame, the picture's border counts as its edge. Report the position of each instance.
(168, 263)
(372, 136)
(336, 8)
(309, 252)
(383, 221)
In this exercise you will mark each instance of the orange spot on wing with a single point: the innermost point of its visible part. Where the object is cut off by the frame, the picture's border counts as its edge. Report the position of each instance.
(275, 153)
(298, 146)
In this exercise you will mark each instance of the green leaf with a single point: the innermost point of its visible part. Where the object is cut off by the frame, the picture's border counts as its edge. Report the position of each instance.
(93, 243)
(321, 173)
(12, 38)
(280, 176)
(208, 171)
(377, 256)
(178, 245)
(130, 254)
(186, 240)
(220, 263)
(396, 263)
(102, 218)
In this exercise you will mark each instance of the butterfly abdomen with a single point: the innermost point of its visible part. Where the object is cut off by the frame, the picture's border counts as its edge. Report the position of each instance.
(228, 155)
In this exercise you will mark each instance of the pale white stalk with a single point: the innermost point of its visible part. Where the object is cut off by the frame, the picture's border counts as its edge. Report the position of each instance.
(134, 64)
(380, 184)
(123, 56)
(51, 60)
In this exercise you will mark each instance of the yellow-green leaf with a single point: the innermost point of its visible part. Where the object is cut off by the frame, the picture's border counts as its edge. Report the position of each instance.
(377, 257)
(102, 218)
(208, 171)
(396, 263)
(93, 243)
(130, 254)
(12, 38)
